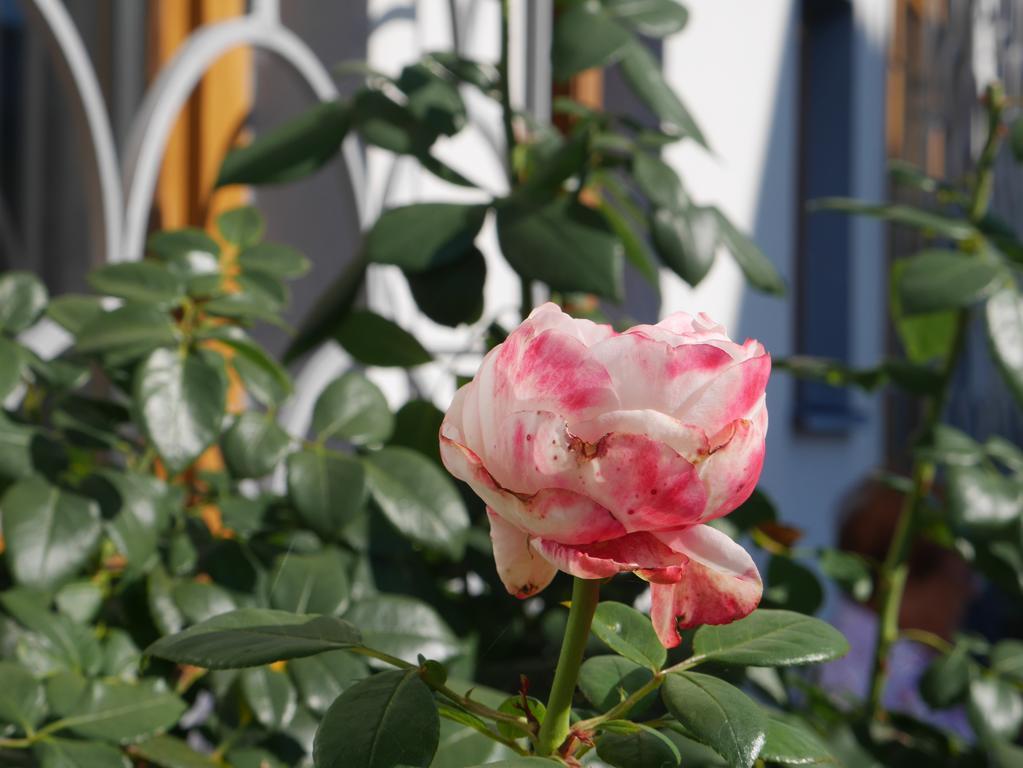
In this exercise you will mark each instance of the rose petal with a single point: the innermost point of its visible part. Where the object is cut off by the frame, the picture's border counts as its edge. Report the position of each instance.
(557, 514)
(651, 374)
(685, 439)
(734, 394)
(537, 369)
(636, 551)
(523, 572)
(549, 316)
(719, 584)
(731, 471)
(644, 483)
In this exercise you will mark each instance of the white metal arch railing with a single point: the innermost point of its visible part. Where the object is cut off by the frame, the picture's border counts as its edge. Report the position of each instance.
(125, 197)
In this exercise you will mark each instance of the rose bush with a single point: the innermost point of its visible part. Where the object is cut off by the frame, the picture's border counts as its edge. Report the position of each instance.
(599, 452)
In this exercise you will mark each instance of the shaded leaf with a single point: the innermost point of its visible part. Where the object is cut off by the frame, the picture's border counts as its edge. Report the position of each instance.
(50, 533)
(387, 720)
(628, 633)
(290, 151)
(564, 244)
(252, 636)
(328, 490)
(404, 627)
(375, 340)
(768, 638)
(718, 714)
(418, 499)
(354, 409)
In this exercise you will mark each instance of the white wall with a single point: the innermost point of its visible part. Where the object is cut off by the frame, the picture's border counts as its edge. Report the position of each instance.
(736, 67)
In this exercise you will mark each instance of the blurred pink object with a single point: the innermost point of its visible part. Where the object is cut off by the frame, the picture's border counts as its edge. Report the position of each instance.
(600, 452)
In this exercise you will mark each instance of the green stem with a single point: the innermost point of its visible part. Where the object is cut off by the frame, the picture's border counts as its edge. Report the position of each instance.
(555, 728)
(895, 569)
(506, 109)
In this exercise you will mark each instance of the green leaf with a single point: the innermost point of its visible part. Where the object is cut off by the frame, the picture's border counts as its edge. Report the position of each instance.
(418, 499)
(181, 401)
(757, 268)
(792, 585)
(328, 490)
(387, 720)
(585, 37)
(132, 327)
(564, 244)
(633, 745)
(261, 375)
(375, 340)
(142, 281)
(769, 638)
(137, 510)
(628, 633)
(996, 707)
(606, 680)
(1004, 316)
(72, 311)
(163, 608)
(199, 601)
(22, 699)
(253, 636)
(22, 299)
(242, 226)
(925, 337)
(80, 601)
(451, 294)
(121, 713)
(189, 251)
(483, 76)
(1007, 659)
(937, 280)
(636, 251)
(68, 753)
(416, 425)
(322, 678)
(653, 18)
(849, 570)
(718, 714)
(273, 259)
(982, 500)
(385, 123)
(50, 533)
(313, 583)
(433, 99)
(643, 74)
(789, 742)
(512, 705)
(270, 695)
(11, 366)
(946, 680)
(686, 240)
(404, 627)
(424, 235)
(290, 151)
(658, 181)
(254, 444)
(460, 745)
(354, 409)
(928, 222)
(58, 644)
(169, 752)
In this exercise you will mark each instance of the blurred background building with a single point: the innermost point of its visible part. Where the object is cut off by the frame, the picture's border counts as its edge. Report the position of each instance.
(798, 99)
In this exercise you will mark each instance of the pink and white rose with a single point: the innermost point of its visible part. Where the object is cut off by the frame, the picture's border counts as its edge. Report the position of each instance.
(599, 452)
